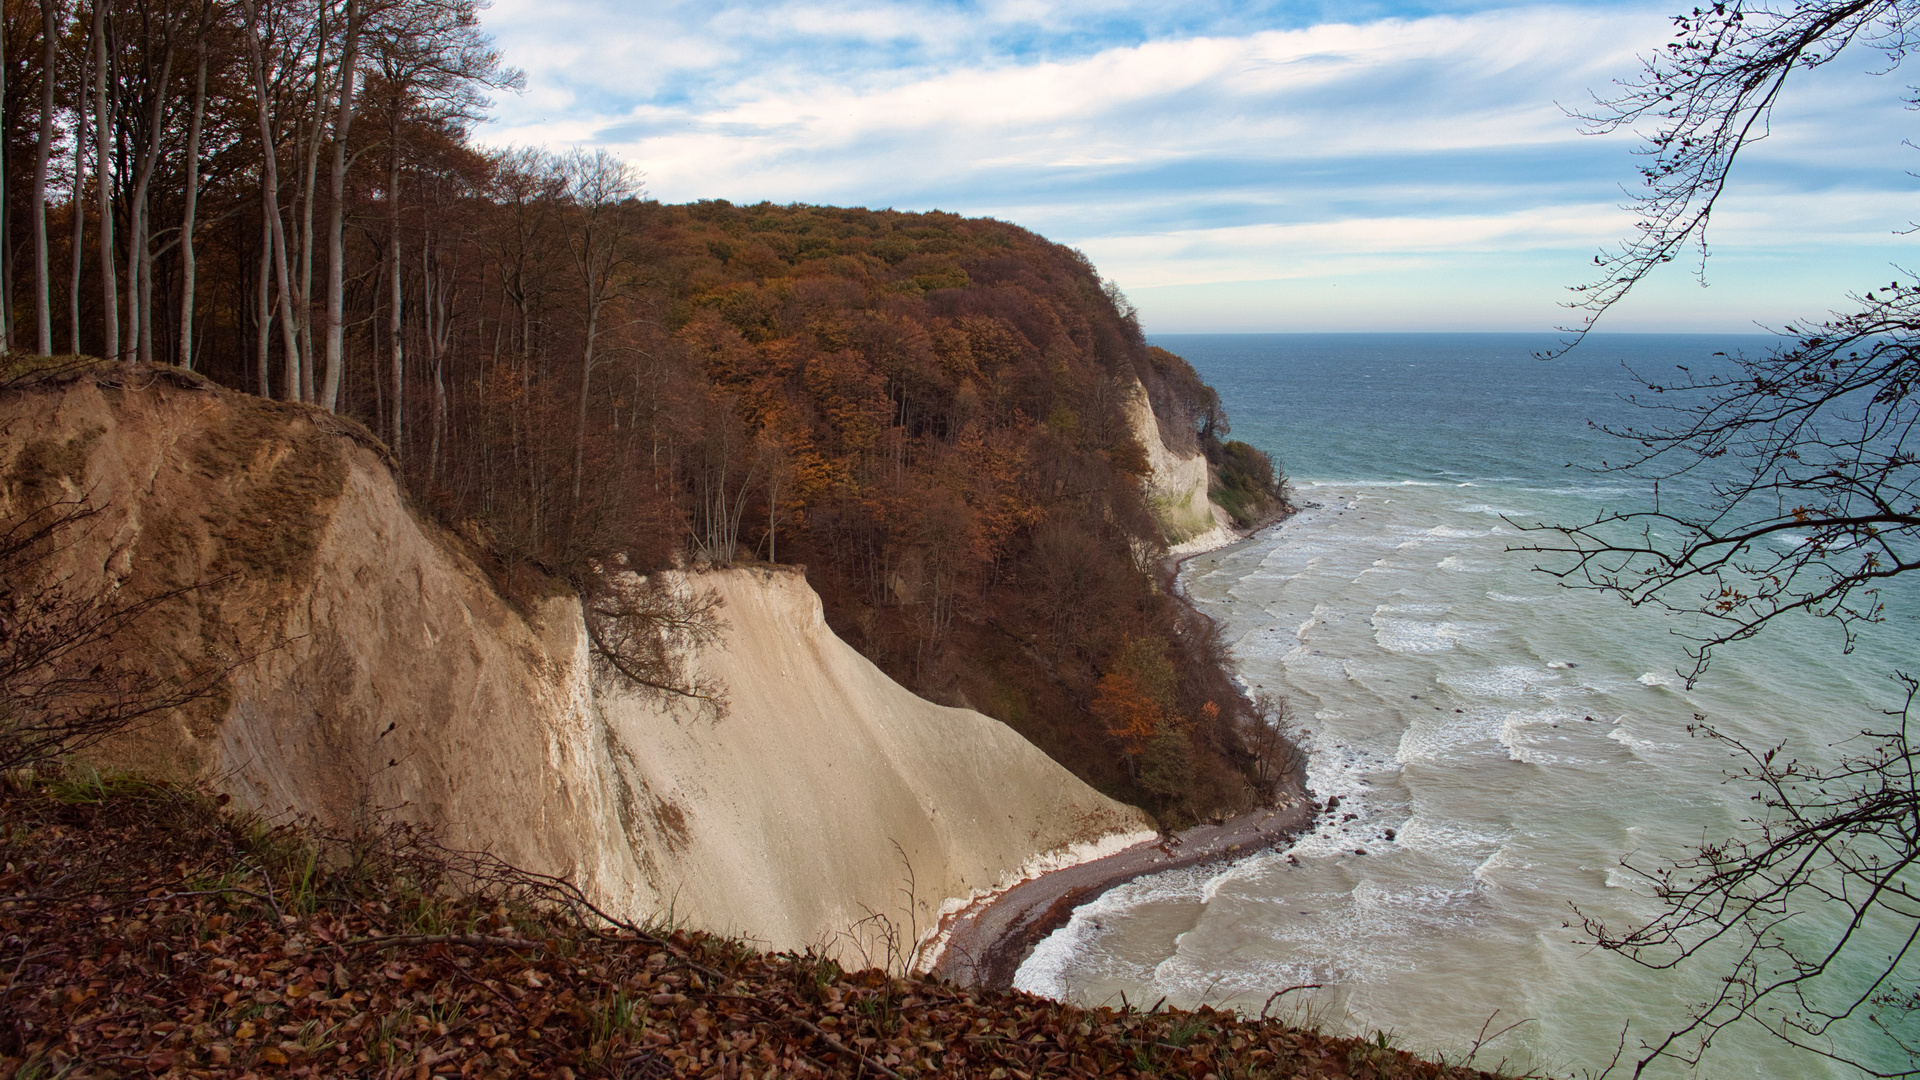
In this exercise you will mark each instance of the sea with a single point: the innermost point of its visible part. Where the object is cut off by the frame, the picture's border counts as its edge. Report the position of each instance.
(1510, 755)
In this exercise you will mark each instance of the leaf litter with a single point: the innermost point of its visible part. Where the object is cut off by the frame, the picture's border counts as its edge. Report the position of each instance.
(146, 930)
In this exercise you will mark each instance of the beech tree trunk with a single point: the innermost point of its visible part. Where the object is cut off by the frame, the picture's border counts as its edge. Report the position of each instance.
(437, 307)
(6, 241)
(103, 183)
(77, 249)
(303, 300)
(139, 249)
(337, 188)
(263, 305)
(37, 207)
(399, 372)
(193, 197)
(270, 170)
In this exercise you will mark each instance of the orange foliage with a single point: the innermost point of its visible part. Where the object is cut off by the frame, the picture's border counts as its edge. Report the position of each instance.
(1127, 713)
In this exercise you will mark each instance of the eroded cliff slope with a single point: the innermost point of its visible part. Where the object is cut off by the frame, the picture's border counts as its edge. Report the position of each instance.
(377, 672)
(1177, 485)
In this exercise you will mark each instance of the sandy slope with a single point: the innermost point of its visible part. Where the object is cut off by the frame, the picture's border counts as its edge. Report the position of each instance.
(385, 677)
(830, 787)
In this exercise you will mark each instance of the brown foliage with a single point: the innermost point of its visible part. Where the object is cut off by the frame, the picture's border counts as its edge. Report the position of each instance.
(925, 410)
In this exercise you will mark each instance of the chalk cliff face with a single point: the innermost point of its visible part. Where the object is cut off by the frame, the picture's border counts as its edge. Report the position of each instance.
(378, 672)
(1177, 485)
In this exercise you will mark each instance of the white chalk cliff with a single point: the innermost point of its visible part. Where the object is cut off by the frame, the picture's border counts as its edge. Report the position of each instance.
(1177, 485)
(383, 674)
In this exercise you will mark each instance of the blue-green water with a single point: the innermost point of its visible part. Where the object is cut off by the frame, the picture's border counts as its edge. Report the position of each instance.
(1500, 743)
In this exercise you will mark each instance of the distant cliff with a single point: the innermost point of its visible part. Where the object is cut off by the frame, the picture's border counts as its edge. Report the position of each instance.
(379, 673)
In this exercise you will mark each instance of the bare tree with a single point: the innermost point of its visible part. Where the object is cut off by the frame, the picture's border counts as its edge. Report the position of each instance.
(596, 184)
(191, 161)
(527, 189)
(139, 246)
(6, 233)
(1832, 846)
(37, 204)
(722, 466)
(336, 208)
(270, 208)
(102, 154)
(1710, 94)
(77, 244)
(1802, 497)
(434, 64)
(439, 288)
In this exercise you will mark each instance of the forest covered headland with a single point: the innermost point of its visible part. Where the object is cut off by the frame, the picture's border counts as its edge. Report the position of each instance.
(938, 416)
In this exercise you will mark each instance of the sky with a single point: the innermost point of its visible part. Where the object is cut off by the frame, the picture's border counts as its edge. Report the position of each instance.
(1233, 166)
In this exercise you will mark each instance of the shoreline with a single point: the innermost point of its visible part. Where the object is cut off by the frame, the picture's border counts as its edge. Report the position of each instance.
(985, 942)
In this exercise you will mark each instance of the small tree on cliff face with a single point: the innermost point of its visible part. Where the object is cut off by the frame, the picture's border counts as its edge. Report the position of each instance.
(1809, 459)
(647, 629)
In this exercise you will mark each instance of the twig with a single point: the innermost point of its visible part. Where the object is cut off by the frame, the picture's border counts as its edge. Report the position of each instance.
(1278, 994)
(841, 1048)
(479, 940)
(279, 917)
(13, 980)
(504, 999)
(266, 899)
(1483, 1039)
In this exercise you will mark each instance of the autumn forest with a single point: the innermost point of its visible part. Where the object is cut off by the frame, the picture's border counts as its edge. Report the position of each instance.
(926, 411)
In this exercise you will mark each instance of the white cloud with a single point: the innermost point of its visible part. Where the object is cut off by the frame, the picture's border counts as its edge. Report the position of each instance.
(1391, 147)
(1422, 85)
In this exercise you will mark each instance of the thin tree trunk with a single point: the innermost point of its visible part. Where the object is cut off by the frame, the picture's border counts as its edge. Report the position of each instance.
(439, 416)
(146, 284)
(586, 384)
(77, 250)
(37, 210)
(139, 250)
(394, 313)
(437, 301)
(263, 306)
(373, 344)
(187, 266)
(270, 168)
(308, 185)
(336, 241)
(103, 183)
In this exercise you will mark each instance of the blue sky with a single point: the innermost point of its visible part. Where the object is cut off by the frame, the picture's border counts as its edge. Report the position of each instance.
(1233, 166)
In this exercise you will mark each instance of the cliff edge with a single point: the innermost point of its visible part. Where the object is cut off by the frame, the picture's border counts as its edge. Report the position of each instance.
(377, 673)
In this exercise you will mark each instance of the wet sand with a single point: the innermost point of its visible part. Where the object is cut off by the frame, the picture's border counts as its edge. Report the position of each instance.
(987, 941)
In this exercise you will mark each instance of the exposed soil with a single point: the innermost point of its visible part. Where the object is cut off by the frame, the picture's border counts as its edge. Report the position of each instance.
(989, 940)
